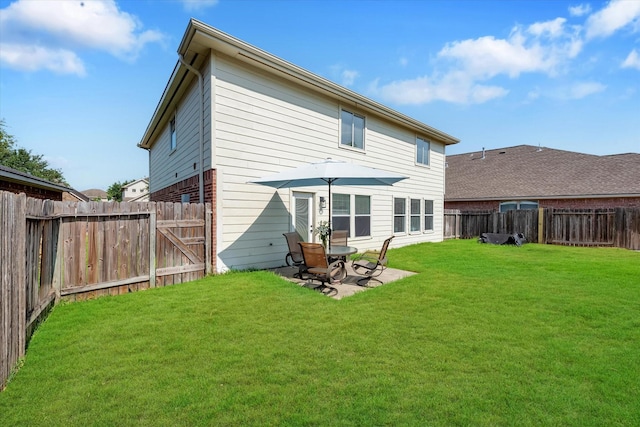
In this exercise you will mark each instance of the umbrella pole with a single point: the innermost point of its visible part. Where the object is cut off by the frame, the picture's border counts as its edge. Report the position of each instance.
(329, 213)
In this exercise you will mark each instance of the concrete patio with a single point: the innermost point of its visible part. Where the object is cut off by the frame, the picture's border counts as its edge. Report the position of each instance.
(348, 286)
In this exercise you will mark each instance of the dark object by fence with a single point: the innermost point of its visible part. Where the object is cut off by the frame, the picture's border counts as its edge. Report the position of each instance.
(503, 239)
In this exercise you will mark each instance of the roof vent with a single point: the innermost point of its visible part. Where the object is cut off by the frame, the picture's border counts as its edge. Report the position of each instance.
(483, 156)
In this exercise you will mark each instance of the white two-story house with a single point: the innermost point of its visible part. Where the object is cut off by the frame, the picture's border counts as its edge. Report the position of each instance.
(232, 112)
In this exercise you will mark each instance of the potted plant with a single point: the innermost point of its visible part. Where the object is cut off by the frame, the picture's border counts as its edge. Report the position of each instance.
(323, 231)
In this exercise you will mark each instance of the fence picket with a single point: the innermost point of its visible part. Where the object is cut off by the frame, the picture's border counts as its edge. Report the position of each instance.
(52, 249)
(618, 227)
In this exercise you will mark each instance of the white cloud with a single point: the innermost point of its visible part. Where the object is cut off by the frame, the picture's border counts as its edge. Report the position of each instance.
(552, 29)
(349, 77)
(33, 58)
(455, 87)
(466, 66)
(617, 14)
(580, 10)
(67, 26)
(581, 90)
(521, 52)
(632, 61)
(197, 5)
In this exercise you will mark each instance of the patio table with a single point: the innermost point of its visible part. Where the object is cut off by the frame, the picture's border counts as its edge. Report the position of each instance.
(340, 251)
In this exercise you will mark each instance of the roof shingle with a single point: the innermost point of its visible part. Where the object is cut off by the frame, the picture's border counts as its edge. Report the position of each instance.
(529, 172)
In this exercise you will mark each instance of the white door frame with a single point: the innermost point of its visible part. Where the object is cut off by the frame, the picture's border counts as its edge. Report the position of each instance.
(306, 222)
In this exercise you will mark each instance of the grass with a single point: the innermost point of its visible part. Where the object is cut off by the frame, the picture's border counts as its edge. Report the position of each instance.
(484, 335)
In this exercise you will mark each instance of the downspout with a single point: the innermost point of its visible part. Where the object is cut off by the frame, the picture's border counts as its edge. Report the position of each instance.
(200, 128)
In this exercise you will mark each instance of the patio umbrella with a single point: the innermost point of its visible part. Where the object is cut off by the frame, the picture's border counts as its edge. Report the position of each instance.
(329, 172)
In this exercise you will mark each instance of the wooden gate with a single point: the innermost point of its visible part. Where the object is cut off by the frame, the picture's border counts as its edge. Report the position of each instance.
(84, 250)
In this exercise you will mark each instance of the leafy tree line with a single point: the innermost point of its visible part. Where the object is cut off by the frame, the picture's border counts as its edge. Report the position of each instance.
(25, 161)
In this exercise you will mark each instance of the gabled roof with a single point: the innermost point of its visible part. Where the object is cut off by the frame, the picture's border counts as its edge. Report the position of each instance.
(14, 175)
(528, 172)
(200, 38)
(95, 193)
(131, 184)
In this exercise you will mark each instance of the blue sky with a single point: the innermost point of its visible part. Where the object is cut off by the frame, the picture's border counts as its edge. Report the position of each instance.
(79, 80)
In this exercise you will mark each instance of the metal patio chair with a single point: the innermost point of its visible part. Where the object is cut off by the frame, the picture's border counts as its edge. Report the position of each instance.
(371, 264)
(319, 268)
(294, 256)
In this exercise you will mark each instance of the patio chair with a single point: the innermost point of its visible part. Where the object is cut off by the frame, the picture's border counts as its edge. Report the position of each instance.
(319, 268)
(371, 264)
(339, 238)
(294, 256)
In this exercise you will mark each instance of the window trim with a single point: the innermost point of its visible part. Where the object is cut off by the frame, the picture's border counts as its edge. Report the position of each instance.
(413, 215)
(353, 215)
(403, 215)
(364, 131)
(426, 215)
(173, 135)
(517, 203)
(428, 152)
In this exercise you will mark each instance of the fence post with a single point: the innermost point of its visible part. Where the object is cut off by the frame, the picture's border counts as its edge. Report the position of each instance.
(540, 225)
(207, 238)
(152, 247)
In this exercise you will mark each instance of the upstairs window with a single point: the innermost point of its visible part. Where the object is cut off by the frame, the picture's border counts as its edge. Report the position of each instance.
(172, 131)
(351, 130)
(422, 151)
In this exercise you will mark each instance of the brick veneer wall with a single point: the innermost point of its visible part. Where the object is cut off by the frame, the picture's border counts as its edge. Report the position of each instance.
(30, 191)
(190, 186)
(611, 202)
(590, 203)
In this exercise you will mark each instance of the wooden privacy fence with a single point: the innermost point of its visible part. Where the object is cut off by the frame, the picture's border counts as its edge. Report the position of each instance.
(619, 227)
(470, 224)
(51, 250)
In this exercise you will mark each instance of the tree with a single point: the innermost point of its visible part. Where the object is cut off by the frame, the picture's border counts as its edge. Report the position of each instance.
(25, 161)
(114, 192)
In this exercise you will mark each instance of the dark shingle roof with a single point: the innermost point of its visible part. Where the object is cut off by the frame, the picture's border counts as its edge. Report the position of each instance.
(14, 175)
(528, 172)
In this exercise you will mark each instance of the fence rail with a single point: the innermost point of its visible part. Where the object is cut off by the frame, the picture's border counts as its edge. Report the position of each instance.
(51, 250)
(619, 227)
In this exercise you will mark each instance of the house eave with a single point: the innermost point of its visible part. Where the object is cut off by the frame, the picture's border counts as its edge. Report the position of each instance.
(23, 178)
(200, 38)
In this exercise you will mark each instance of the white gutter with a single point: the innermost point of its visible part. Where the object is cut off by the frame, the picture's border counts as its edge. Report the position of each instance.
(200, 128)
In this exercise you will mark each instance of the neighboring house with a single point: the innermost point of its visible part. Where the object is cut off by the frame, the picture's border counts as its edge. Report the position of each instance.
(16, 181)
(96, 194)
(74, 196)
(231, 113)
(136, 191)
(528, 177)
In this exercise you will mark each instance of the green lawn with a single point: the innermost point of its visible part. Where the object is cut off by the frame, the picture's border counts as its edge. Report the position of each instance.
(484, 335)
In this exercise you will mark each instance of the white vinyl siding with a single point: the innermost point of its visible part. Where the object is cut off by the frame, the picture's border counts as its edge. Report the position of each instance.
(263, 124)
(167, 166)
